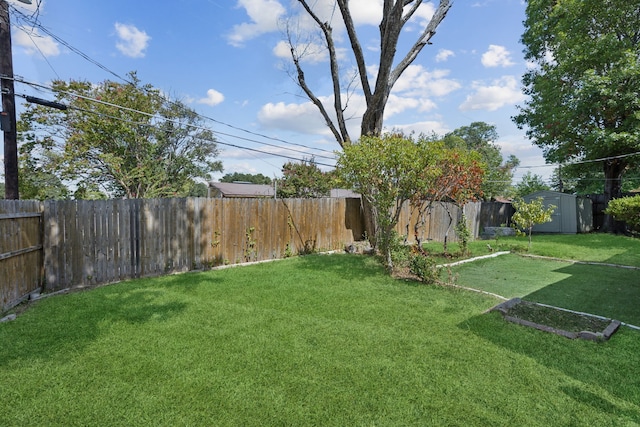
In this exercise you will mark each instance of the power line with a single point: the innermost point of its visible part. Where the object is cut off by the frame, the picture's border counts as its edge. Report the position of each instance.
(255, 150)
(36, 24)
(37, 85)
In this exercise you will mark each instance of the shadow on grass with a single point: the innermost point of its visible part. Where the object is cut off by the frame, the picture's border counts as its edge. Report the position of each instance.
(64, 324)
(610, 366)
(605, 291)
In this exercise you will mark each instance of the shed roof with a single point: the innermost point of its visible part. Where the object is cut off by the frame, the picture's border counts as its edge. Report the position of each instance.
(233, 189)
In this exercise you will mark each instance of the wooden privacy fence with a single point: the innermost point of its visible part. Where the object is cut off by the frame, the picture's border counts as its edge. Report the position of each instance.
(20, 251)
(82, 243)
(92, 242)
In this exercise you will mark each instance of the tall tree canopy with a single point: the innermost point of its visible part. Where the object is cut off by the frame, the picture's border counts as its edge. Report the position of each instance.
(481, 138)
(246, 177)
(126, 139)
(396, 14)
(585, 89)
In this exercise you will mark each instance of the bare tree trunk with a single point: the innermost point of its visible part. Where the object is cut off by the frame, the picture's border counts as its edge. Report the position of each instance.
(613, 170)
(446, 233)
(370, 222)
(395, 15)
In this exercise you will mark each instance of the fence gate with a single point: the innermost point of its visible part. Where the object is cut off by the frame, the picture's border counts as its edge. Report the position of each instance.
(21, 258)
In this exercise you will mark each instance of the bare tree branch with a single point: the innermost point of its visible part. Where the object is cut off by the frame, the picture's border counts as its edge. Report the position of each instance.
(303, 84)
(425, 37)
(335, 77)
(395, 15)
(355, 46)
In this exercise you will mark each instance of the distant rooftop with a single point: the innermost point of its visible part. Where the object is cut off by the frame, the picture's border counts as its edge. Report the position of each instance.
(235, 189)
(241, 189)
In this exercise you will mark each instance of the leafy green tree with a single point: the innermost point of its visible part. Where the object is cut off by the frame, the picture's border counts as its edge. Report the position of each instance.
(530, 213)
(530, 183)
(128, 140)
(584, 96)
(246, 177)
(481, 137)
(303, 180)
(578, 179)
(589, 179)
(626, 209)
(37, 183)
(198, 189)
(89, 192)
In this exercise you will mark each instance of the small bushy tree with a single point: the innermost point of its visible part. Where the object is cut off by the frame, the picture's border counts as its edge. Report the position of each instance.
(625, 209)
(303, 180)
(386, 171)
(530, 213)
(391, 170)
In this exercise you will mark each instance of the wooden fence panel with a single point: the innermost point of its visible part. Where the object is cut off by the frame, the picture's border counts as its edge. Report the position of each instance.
(20, 251)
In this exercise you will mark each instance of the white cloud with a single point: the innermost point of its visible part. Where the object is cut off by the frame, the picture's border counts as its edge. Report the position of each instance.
(427, 127)
(418, 81)
(501, 92)
(243, 167)
(213, 98)
(303, 118)
(133, 41)
(366, 11)
(264, 16)
(400, 104)
(36, 43)
(497, 56)
(306, 119)
(425, 12)
(444, 54)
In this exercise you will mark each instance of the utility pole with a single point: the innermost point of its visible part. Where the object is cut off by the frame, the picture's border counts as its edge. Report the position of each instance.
(8, 105)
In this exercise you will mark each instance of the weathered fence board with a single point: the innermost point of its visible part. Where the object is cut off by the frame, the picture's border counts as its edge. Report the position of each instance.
(21, 270)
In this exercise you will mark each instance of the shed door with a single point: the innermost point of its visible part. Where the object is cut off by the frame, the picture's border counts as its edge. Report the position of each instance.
(555, 226)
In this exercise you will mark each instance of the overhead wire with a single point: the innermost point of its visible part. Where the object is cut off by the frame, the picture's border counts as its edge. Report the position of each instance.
(155, 116)
(35, 23)
(38, 25)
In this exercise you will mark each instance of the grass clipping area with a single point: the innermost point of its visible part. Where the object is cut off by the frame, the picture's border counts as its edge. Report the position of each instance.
(562, 322)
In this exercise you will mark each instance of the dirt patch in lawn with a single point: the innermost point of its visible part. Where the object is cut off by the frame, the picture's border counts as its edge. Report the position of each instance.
(562, 322)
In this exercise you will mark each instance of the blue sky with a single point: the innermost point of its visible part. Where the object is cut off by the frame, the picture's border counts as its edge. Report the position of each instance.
(226, 59)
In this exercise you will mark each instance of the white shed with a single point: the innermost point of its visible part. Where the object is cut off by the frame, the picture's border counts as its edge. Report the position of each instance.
(572, 214)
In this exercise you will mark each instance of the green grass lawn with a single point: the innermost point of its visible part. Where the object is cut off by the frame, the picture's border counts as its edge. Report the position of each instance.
(594, 247)
(597, 289)
(315, 340)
